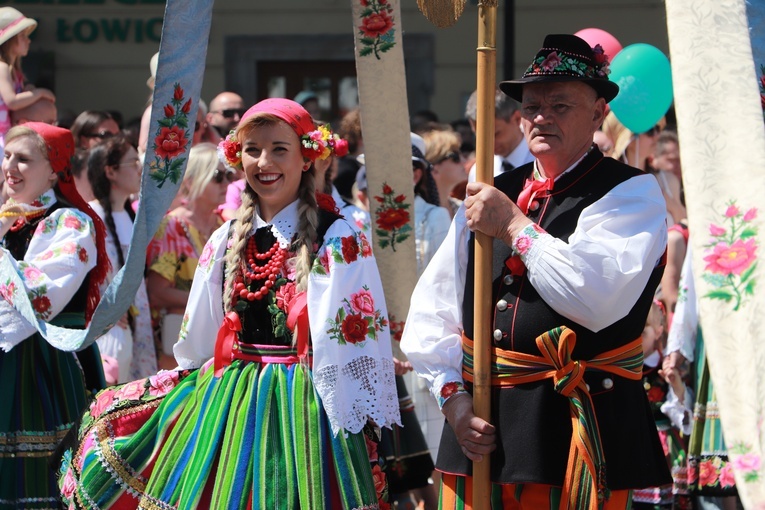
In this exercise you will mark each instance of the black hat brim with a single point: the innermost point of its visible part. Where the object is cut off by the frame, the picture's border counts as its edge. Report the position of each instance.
(514, 88)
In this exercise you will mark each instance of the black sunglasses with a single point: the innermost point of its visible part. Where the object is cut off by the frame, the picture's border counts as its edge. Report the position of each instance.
(229, 113)
(103, 136)
(454, 156)
(219, 175)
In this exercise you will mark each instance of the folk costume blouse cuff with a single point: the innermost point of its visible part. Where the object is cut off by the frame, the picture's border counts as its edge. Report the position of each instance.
(685, 323)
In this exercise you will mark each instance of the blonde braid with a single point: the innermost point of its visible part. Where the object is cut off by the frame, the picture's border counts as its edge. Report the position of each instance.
(307, 228)
(235, 254)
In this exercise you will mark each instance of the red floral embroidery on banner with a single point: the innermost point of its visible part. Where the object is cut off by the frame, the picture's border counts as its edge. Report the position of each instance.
(392, 218)
(171, 139)
(376, 31)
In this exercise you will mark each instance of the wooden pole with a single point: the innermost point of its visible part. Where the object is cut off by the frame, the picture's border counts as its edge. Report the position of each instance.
(486, 84)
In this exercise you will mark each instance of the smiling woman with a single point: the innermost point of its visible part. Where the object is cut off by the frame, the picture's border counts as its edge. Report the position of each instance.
(54, 243)
(291, 293)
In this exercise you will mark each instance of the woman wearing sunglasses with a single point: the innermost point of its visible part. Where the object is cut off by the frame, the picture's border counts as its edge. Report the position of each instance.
(172, 255)
(442, 149)
(114, 172)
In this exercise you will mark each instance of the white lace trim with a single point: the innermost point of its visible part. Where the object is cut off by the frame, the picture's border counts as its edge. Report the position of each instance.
(364, 389)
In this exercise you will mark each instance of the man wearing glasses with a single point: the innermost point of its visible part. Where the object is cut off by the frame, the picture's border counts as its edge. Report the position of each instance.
(226, 110)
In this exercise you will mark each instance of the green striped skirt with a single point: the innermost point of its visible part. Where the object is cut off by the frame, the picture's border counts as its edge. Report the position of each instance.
(44, 393)
(255, 437)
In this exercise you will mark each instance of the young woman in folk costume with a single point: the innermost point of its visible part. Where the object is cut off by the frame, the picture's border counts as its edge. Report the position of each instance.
(114, 173)
(274, 420)
(52, 245)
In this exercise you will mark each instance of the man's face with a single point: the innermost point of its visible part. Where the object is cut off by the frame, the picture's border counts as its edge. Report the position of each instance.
(559, 119)
(507, 134)
(226, 113)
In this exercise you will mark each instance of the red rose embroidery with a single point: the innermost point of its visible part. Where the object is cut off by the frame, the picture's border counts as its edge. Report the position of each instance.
(169, 111)
(350, 249)
(354, 328)
(390, 219)
(170, 142)
(448, 389)
(387, 190)
(178, 93)
(186, 107)
(376, 24)
(363, 302)
(399, 199)
(83, 255)
(41, 304)
(73, 222)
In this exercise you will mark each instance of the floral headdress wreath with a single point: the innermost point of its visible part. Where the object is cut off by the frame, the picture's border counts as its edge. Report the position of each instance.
(318, 144)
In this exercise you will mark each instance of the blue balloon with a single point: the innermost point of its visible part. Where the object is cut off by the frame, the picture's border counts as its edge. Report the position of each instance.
(644, 77)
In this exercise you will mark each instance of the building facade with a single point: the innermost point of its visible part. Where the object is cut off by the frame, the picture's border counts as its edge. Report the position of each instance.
(95, 54)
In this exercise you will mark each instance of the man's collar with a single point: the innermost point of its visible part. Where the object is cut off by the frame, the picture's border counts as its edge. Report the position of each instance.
(538, 175)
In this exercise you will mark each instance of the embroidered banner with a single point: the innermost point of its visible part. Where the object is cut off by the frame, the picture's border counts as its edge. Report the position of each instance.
(387, 151)
(176, 96)
(722, 142)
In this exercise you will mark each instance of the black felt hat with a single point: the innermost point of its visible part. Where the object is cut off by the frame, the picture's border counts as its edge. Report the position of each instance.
(562, 58)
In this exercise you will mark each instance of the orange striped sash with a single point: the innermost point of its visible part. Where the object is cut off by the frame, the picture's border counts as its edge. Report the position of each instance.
(585, 483)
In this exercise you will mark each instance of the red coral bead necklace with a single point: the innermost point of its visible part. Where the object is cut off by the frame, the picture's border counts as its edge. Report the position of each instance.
(267, 273)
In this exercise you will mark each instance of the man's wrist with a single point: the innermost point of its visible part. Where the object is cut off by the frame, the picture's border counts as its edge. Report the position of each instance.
(448, 391)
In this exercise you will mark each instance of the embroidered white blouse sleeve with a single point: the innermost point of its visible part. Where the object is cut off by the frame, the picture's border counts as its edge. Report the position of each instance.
(685, 323)
(432, 338)
(679, 413)
(597, 276)
(352, 358)
(59, 257)
(204, 309)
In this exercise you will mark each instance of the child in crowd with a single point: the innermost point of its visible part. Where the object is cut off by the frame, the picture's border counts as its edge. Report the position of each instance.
(671, 402)
(14, 44)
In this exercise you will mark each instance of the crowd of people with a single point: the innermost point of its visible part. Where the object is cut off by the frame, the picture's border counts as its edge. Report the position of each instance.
(238, 376)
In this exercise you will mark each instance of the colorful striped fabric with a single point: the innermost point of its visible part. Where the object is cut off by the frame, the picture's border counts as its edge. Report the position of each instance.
(585, 482)
(45, 393)
(256, 437)
(457, 493)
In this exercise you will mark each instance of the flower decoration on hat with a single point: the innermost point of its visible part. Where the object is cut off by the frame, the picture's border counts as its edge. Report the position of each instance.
(322, 143)
(230, 151)
(602, 63)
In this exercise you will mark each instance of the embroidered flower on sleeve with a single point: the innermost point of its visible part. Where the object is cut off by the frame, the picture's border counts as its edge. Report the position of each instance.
(449, 389)
(206, 257)
(350, 249)
(525, 239)
(341, 250)
(7, 290)
(357, 319)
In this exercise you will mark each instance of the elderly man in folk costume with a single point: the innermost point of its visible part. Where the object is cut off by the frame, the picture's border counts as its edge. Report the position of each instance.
(578, 252)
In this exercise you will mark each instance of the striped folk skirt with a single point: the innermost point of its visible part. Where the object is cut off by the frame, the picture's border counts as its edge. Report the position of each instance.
(255, 437)
(44, 393)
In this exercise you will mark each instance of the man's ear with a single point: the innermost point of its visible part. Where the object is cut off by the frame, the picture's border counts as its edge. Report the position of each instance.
(599, 112)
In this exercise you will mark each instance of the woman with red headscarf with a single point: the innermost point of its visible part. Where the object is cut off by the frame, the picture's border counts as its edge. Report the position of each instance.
(54, 243)
(284, 349)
